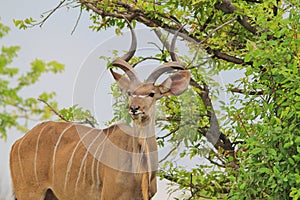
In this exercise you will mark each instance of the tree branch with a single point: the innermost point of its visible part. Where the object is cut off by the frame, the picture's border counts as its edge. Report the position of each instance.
(54, 111)
(196, 187)
(224, 56)
(86, 121)
(228, 8)
(218, 28)
(167, 135)
(237, 90)
(140, 16)
(41, 23)
(170, 152)
(144, 59)
(206, 23)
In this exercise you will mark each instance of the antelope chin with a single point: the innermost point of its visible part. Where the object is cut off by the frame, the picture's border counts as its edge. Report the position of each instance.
(140, 118)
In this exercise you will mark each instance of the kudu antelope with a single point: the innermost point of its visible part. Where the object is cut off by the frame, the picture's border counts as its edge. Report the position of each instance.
(61, 160)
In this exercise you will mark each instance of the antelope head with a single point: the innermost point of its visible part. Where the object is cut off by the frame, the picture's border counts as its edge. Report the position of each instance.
(143, 95)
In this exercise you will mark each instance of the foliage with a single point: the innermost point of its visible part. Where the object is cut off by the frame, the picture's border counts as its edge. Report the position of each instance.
(254, 152)
(77, 114)
(16, 109)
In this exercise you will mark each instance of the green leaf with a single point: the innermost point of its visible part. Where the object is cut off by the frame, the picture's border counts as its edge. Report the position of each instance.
(297, 140)
(288, 144)
(291, 161)
(56, 66)
(3, 30)
(256, 151)
(264, 170)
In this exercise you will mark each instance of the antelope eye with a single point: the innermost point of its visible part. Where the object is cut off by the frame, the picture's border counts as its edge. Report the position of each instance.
(129, 93)
(151, 94)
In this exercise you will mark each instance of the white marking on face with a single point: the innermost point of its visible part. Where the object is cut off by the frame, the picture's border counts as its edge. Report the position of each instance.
(139, 96)
(142, 96)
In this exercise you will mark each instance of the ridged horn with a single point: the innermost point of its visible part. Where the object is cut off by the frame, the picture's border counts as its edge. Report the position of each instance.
(167, 67)
(122, 61)
(122, 64)
(133, 46)
(173, 55)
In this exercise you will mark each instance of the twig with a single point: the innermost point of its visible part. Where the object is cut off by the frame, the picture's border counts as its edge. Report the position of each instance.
(195, 56)
(144, 59)
(237, 90)
(172, 150)
(77, 21)
(87, 121)
(216, 29)
(167, 119)
(215, 163)
(198, 65)
(53, 110)
(160, 37)
(167, 135)
(41, 23)
(191, 186)
(156, 45)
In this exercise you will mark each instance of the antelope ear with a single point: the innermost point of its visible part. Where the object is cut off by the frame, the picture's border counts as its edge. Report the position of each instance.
(176, 84)
(122, 81)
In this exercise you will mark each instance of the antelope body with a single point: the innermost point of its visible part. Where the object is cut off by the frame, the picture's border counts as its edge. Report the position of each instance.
(62, 160)
(66, 159)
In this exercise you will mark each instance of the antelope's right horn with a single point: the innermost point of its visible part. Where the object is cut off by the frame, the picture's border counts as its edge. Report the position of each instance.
(122, 61)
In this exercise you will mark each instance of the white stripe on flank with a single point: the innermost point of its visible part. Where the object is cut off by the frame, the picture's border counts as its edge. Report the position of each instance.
(93, 170)
(35, 155)
(93, 165)
(71, 158)
(19, 156)
(84, 160)
(99, 158)
(55, 149)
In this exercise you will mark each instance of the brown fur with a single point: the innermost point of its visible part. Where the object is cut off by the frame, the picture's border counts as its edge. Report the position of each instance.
(32, 181)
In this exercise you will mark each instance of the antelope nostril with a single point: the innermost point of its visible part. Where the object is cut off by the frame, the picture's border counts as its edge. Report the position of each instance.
(134, 109)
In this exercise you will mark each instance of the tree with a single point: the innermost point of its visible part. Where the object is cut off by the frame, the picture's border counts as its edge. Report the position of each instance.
(254, 152)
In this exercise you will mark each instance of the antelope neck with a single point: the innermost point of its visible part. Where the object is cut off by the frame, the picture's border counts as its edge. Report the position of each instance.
(143, 130)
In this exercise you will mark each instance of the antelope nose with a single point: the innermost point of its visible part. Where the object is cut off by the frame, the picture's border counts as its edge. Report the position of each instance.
(134, 109)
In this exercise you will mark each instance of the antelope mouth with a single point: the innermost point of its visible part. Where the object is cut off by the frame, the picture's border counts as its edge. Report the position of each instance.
(138, 116)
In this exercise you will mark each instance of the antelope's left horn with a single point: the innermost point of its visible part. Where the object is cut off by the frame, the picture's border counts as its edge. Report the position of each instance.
(170, 66)
(167, 67)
